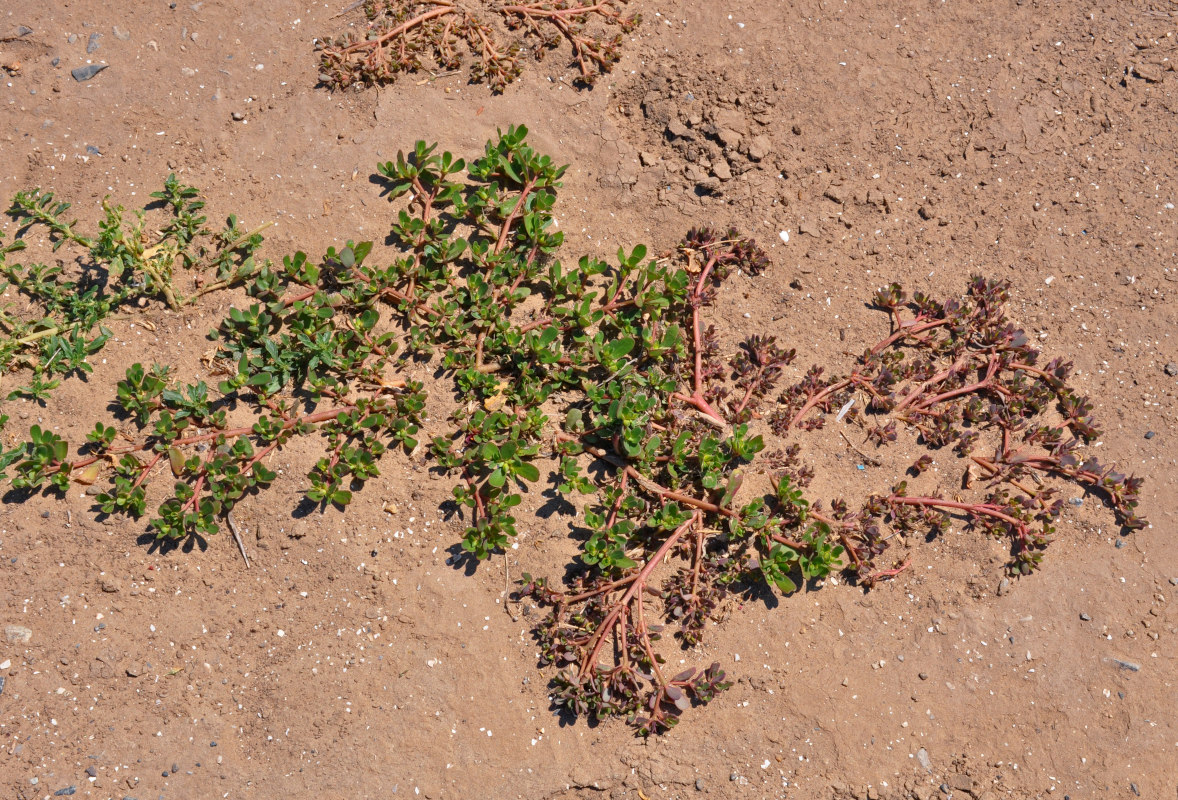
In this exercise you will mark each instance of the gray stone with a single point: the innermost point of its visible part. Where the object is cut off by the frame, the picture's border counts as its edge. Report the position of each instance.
(17, 634)
(1171, 369)
(121, 34)
(87, 72)
(1003, 586)
(92, 42)
(925, 761)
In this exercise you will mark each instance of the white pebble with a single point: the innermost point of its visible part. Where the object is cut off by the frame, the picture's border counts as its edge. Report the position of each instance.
(784, 236)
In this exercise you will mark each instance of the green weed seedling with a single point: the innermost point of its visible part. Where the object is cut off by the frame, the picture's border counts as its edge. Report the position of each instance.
(130, 261)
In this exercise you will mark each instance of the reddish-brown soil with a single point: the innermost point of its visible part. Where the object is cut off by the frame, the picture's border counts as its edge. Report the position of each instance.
(918, 142)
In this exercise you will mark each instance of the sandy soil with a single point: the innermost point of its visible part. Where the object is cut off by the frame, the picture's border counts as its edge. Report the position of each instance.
(918, 142)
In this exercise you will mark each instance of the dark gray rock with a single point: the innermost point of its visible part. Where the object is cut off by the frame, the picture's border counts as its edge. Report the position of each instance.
(82, 74)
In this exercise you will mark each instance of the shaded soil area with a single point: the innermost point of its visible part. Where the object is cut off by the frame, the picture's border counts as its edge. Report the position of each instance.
(861, 144)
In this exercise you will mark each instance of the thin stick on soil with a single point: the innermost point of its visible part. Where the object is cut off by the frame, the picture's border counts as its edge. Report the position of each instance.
(237, 537)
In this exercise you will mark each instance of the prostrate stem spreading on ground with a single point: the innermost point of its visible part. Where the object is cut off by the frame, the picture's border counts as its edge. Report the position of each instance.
(612, 366)
(401, 33)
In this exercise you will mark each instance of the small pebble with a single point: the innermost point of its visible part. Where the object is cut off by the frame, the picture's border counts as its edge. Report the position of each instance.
(699, 784)
(1174, 581)
(1120, 543)
(1171, 369)
(733, 777)
(66, 791)
(165, 774)
(923, 676)
(1150, 434)
(6, 663)
(1085, 617)
(92, 42)
(18, 634)
(1003, 586)
(238, 116)
(175, 768)
(2, 680)
(87, 72)
(23, 30)
(92, 771)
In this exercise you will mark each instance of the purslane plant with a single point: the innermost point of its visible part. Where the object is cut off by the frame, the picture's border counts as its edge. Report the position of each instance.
(303, 359)
(607, 378)
(404, 35)
(131, 260)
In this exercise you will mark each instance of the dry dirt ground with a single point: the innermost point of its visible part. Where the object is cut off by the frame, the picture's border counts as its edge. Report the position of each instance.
(914, 141)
